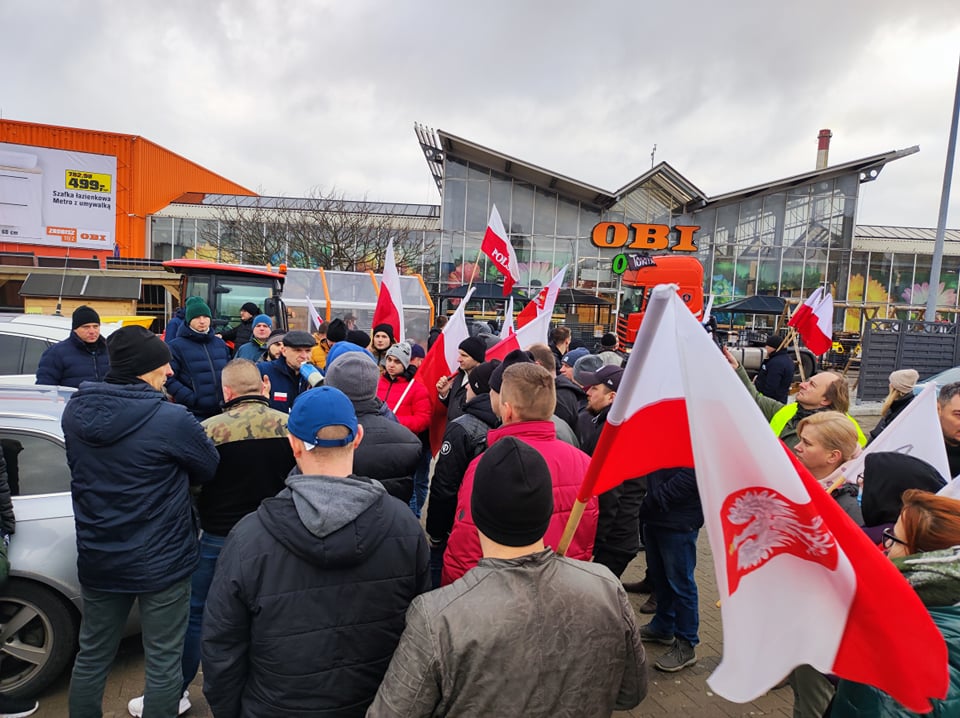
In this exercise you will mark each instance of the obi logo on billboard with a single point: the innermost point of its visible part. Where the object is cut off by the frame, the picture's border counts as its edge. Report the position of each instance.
(651, 237)
(57, 197)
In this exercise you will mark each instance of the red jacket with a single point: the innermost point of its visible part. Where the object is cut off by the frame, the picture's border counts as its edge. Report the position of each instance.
(416, 409)
(568, 466)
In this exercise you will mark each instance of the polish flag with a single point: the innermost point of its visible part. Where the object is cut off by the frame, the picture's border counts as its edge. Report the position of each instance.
(813, 321)
(442, 360)
(799, 582)
(915, 431)
(389, 308)
(544, 302)
(507, 328)
(496, 245)
(535, 332)
(314, 314)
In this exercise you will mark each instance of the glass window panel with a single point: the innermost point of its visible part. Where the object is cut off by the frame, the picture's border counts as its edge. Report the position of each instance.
(500, 191)
(454, 205)
(454, 169)
(726, 224)
(902, 288)
(521, 218)
(545, 213)
(33, 349)
(35, 465)
(478, 208)
(10, 348)
(567, 216)
(476, 172)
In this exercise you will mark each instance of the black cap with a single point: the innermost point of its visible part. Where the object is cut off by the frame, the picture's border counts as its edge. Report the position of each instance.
(475, 348)
(299, 340)
(479, 377)
(386, 329)
(608, 341)
(250, 307)
(355, 336)
(517, 356)
(607, 375)
(135, 351)
(886, 475)
(337, 331)
(512, 499)
(774, 340)
(85, 315)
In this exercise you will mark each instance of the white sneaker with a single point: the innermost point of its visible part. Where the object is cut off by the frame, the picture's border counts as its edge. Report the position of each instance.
(135, 706)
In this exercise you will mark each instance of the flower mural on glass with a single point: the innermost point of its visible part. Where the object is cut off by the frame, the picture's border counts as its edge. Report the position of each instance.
(463, 273)
(873, 293)
(919, 293)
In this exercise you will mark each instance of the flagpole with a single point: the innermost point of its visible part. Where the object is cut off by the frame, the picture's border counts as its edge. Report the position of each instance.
(576, 513)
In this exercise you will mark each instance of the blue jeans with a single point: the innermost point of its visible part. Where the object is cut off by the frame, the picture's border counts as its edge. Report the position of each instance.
(210, 547)
(421, 484)
(163, 620)
(671, 561)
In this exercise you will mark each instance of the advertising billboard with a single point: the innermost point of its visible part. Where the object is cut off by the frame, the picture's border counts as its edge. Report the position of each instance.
(57, 197)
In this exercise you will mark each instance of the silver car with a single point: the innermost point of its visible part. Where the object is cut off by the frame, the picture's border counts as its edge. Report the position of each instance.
(40, 602)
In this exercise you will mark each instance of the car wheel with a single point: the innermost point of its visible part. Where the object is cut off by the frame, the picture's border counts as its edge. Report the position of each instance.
(38, 637)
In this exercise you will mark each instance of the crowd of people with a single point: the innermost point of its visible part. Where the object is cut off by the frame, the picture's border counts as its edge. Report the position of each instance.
(277, 513)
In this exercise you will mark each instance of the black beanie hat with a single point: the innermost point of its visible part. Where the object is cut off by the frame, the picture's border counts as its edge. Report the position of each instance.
(774, 340)
(135, 351)
(512, 499)
(517, 356)
(479, 377)
(85, 315)
(386, 329)
(475, 348)
(608, 341)
(355, 336)
(250, 307)
(337, 331)
(886, 475)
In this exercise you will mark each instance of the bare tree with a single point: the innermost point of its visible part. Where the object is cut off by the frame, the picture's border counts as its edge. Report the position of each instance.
(320, 230)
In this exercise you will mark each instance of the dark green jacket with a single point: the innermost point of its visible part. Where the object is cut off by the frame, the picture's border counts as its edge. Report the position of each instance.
(938, 585)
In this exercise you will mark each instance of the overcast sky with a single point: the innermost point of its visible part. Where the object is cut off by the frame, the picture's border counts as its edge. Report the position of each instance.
(284, 96)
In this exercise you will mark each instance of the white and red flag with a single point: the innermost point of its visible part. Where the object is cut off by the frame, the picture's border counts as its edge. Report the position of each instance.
(507, 328)
(536, 332)
(799, 582)
(496, 245)
(813, 321)
(389, 308)
(442, 360)
(314, 314)
(544, 302)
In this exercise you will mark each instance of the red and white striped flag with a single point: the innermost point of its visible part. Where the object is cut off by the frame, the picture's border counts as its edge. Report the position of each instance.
(799, 582)
(507, 328)
(389, 308)
(442, 360)
(496, 245)
(536, 332)
(813, 321)
(314, 314)
(545, 301)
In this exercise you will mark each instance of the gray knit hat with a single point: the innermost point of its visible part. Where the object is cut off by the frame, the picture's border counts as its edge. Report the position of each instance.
(400, 352)
(355, 374)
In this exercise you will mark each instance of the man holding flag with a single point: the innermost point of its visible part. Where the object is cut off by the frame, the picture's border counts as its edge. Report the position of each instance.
(799, 583)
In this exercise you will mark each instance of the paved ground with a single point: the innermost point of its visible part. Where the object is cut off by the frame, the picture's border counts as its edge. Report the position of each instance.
(680, 694)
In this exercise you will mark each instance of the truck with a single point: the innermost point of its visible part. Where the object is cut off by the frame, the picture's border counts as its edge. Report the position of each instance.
(687, 273)
(227, 287)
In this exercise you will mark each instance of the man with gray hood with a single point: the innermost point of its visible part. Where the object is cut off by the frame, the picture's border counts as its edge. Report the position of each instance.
(307, 604)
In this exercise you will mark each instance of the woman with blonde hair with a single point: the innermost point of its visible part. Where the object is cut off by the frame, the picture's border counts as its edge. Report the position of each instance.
(924, 548)
(828, 440)
(902, 382)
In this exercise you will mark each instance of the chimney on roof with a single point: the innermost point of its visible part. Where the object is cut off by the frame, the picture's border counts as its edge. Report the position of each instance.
(823, 148)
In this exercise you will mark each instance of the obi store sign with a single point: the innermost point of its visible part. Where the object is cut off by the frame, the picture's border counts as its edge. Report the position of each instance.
(644, 237)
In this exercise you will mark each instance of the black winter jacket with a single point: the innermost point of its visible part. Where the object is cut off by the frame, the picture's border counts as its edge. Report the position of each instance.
(456, 396)
(465, 438)
(72, 361)
(776, 376)
(571, 400)
(255, 458)
(197, 361)
(672, 500)
(308, 601)
(389, 451)
(8, 521)
(286, 384)
(240, 334)
(132, 456)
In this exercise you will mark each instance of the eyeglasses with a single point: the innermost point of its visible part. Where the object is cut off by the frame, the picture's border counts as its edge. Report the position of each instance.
(890, 538)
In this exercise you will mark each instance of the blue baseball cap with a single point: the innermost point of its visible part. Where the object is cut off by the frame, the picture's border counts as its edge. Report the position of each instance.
(570, 358)
(317, 409)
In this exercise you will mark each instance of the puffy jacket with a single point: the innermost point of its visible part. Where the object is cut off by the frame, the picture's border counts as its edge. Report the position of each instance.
(307, 604)
(935, 576)
(286, 384)
(571, 400)
(540, 636)
(456, 396)
(672, 500)
(197, 361)
(416, 409)
(72, 361)
(255, 458)
(389, 451)
(172, 329)
(567, 468)
(240, 334)
(776, 376)
(252, 350)
(132, 456)
(465, 439)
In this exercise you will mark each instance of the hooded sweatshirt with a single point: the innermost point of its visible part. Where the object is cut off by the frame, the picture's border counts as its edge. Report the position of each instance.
(309, 599)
